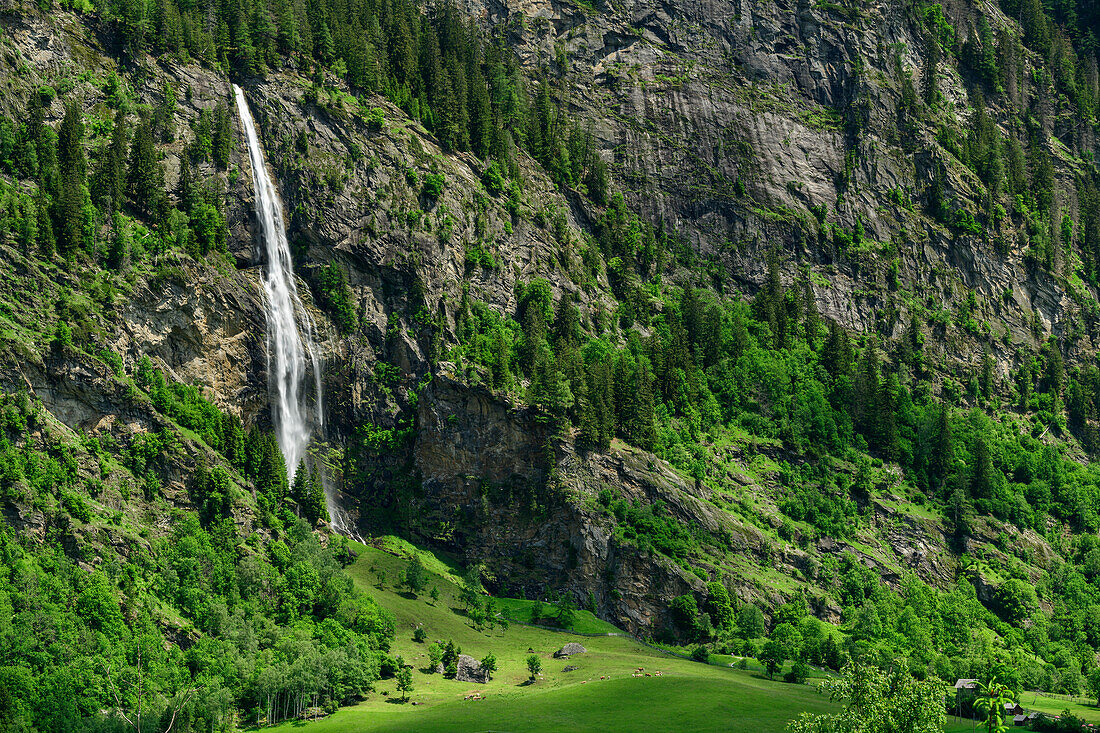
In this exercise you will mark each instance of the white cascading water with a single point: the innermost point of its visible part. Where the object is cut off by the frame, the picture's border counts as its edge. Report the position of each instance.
(288, 346)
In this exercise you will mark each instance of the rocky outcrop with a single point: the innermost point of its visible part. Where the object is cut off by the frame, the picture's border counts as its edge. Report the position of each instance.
(569, 650)
(747, 126)
(469, 670)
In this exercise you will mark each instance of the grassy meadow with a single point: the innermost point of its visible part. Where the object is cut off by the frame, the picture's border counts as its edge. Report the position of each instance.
(600, 695)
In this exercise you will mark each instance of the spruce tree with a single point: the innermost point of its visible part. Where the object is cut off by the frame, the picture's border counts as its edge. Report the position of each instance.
(865, 408)
(981, 469)
(943, 447)
(46, 240)
(145, 176)
(110, 176)
(222, 136)
(299, 489)
(888, 417)
(69, 214)
(811, 319)
(119, 247)
(70, 142)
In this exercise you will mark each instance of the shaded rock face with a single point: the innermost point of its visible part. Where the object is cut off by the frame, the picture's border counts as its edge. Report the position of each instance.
(487, 492)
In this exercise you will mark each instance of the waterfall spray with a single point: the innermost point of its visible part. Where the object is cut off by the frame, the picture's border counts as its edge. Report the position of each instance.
(288, 344)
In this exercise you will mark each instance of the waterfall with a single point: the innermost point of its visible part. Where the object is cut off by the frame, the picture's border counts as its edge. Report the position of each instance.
(289, 327)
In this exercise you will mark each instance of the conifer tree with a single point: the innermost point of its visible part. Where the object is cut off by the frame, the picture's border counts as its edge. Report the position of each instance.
(69, 214)
(70, 142)
(308, 494)
(981, 468)
(145, 176)
(865, 409)
(889, 405)
(588, 428)
(222, 136)
(811, 319)
(46, 242)
(110, 177)
(943, 447)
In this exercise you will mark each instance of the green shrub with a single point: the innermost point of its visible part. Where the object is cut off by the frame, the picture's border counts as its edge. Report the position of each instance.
(434, 183)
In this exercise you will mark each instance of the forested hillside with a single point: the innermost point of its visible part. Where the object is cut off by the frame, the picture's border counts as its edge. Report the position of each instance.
(737, 326)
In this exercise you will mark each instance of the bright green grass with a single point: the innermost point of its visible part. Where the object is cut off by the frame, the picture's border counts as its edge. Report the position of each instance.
(517, 609)
(1087, 711)
(599, 696)
(688, 696)
(1054, 706)
(682, 701)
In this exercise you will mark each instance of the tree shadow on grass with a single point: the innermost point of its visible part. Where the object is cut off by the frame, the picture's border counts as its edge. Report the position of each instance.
(526, 683)
(396, 701)
(408, 595)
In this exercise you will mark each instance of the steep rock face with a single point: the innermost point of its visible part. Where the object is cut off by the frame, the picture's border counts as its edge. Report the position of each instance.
(498, 487)
(689, 98)
(798, 104)
(202, 324)
(355, 197)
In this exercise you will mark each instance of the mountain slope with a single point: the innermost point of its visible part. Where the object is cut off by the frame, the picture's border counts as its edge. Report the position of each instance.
(677, 310)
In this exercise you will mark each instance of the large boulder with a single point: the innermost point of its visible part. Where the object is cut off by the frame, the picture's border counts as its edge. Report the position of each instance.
(569, 650)
(469, 670)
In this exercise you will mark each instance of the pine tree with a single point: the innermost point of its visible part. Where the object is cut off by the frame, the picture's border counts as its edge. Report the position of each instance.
(942, 461)
(70, 142)
(145, 176)
(299, 489)
(110, 177)
(986, 382)
(49, 176)
(222, 136)
(588, 427)
(567, 327)
(233, 439)
(46, 241)
(929, 87)
(549, 391)
(811, 319)
(481, 116)
(644, 431)
(865, 408)
(958, 511)
(600, 395)
(270, 472)
(500, 365)
(69, 214)
(888, 418)
(309, 494)
(133, 25)
(981, 469)
(769, 304)
(164, 115)
(837, 355)
(987, 59)
(713, 334)
(186, 187)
